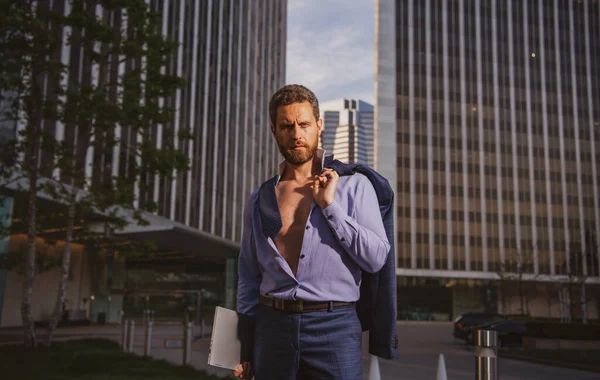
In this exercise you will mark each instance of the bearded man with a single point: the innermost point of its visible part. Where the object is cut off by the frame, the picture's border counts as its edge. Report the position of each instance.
(308, 234)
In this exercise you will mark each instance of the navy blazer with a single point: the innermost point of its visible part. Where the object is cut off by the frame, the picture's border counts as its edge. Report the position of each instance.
(376, 307)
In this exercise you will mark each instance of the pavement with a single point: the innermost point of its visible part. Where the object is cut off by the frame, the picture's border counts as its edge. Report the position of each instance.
(421, 344)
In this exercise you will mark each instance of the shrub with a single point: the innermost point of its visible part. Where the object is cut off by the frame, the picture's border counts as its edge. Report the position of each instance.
(554, 330)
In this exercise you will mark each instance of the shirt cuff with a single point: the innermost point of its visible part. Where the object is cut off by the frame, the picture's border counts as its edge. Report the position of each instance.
(335, 215)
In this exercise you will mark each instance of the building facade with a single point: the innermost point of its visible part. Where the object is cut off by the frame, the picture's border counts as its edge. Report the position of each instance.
(348, 130)
(495, 111)
(232, 56)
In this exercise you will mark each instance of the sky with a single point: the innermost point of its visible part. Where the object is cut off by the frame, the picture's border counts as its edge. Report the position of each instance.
(331, 48)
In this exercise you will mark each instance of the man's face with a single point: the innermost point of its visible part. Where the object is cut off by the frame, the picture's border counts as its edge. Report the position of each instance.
(297, 132)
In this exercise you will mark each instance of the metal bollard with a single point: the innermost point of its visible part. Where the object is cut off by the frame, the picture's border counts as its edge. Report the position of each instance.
(148, 340)
(131, 335)
(124, 335)
(187, 343)
(486, 355)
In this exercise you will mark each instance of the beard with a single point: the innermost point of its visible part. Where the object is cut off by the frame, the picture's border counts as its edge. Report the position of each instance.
(298, 157)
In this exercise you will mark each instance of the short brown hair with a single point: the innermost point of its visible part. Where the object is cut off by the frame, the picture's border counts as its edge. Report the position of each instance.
(290, 94)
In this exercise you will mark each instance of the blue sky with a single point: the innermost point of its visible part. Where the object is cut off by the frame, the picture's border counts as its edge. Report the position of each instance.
(331, 48)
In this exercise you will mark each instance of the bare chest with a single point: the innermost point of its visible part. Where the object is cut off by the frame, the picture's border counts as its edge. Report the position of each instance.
(294, 207)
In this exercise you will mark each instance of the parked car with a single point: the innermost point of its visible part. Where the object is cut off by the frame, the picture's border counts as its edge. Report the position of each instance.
(510, 333)
(471, 319)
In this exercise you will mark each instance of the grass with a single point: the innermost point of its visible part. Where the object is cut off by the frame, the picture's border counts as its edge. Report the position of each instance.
(576, 359)
(89, 359)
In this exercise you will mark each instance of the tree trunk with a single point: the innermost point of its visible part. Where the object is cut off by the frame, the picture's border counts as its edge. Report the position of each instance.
(26, 312)
(583, 305)
(521, 295)
(503, 295)
(64, 271)
(32, 109)
(571, 303)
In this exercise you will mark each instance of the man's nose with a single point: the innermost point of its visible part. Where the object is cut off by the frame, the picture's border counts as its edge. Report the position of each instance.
(297, 132)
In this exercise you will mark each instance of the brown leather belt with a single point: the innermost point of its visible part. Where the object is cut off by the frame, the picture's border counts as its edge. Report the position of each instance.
(299, 306)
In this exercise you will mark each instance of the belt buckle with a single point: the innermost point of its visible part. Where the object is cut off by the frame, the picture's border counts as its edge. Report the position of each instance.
(297, 308)
(278, 303)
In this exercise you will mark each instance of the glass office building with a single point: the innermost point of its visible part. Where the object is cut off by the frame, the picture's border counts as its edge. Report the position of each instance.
(495, 108)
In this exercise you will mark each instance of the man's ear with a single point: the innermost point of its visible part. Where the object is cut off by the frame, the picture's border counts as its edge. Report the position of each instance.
(320, 125)
(272, 129)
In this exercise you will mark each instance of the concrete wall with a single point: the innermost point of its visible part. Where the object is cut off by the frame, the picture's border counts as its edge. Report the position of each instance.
(45, 288)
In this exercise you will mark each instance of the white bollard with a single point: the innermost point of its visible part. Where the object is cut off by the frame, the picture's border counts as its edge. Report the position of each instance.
(374, 373)
(441, 371)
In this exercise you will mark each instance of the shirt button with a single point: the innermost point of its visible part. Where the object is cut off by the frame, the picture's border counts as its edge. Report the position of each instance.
(308, 227)
(302, 256)
(342, 240)
(330, 217)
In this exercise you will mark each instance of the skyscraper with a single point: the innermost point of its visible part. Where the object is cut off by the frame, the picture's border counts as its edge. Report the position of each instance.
(348, 130)
(494, 111)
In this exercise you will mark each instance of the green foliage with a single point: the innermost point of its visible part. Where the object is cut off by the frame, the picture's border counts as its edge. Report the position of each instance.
(586, 360)
(30, 47)
(89, 359)
(554, 330)
(45, 260)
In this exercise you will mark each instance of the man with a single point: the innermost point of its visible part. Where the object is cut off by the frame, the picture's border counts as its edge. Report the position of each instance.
(308, 235)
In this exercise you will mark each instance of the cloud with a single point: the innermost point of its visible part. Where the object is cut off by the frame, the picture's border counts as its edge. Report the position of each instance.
(331, 47)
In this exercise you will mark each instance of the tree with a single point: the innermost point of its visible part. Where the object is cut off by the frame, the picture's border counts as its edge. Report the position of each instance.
(94, 121)
(26, 46)
(515, 271)
(573, 293)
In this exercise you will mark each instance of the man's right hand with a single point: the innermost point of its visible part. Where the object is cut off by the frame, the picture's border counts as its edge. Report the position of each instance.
(244, 371)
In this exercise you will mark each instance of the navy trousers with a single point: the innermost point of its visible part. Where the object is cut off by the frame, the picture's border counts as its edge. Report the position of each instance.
(310, 345)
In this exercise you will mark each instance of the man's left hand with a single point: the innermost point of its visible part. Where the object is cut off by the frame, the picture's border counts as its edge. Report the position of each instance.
(324, 186)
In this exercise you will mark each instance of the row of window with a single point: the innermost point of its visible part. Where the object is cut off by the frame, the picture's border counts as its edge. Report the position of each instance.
(438, 139)
(507, 195)
(491, 218)
(509, 266)
(455, 107)
(491, 170)
(505, 149)
(459, 240)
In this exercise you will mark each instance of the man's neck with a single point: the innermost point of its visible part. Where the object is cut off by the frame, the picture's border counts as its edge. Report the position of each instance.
(302, 173)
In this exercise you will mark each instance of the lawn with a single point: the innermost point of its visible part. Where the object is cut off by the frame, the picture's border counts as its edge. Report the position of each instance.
(90, 359)
(576, 359)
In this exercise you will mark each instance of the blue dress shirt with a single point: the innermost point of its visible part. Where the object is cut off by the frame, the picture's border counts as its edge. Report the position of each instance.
(340, 241)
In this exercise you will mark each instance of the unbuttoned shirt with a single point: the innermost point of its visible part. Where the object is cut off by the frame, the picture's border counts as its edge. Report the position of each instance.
(339, 240)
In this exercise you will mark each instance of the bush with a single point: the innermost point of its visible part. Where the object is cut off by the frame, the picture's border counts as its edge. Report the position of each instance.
(554, 330)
